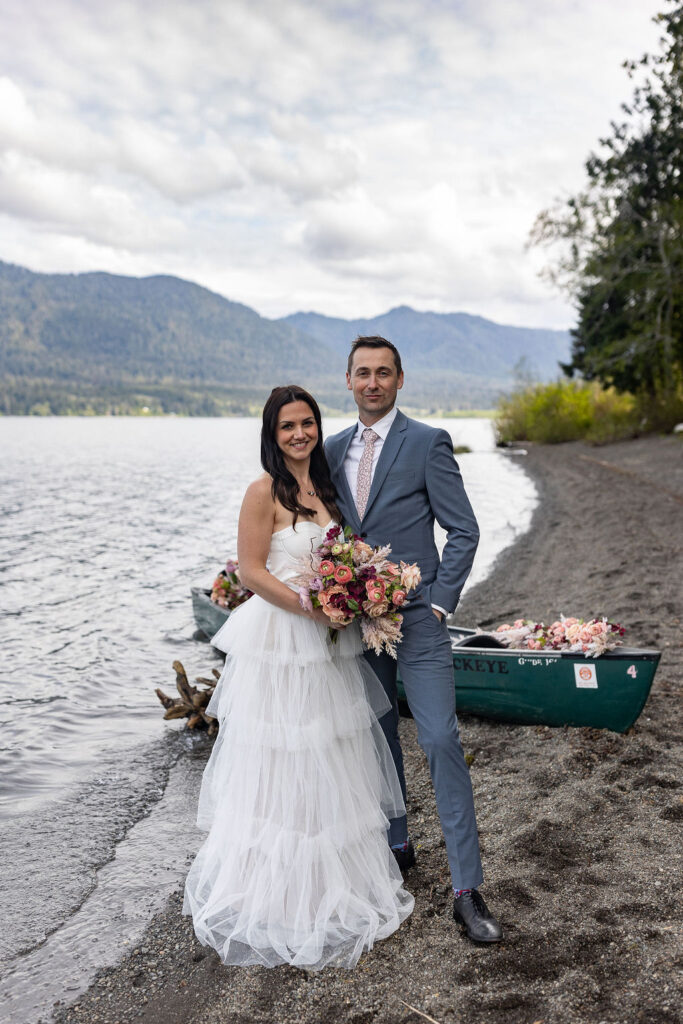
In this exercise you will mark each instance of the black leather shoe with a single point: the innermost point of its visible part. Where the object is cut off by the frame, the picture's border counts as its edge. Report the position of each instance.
(405, 858)
(470, 911)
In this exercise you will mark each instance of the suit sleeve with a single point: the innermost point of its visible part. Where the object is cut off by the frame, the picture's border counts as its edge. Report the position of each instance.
(453, 513)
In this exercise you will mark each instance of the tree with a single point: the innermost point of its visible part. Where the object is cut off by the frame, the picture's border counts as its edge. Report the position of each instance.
(622, 236)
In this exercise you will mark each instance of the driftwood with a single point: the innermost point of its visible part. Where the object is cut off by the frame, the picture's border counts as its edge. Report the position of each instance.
(192, 702)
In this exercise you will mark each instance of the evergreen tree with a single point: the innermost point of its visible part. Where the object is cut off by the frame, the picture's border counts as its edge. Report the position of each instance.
(622, 236)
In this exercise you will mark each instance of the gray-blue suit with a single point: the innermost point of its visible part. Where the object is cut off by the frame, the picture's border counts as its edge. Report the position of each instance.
(417, 481)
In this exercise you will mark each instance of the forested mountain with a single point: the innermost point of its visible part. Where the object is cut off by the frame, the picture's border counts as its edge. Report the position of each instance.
(452, 341)
(104, 343)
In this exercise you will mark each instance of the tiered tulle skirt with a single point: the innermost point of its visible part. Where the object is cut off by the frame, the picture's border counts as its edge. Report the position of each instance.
(296, 797)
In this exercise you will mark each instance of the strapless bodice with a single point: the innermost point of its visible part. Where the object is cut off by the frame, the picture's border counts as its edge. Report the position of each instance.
(289, 546)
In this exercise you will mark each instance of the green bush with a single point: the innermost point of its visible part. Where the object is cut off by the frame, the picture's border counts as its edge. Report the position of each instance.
(567, 410)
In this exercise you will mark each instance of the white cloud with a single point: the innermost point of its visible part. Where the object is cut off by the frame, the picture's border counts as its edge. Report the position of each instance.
(343, 157)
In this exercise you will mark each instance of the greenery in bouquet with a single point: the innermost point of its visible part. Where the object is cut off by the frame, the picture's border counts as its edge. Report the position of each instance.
(591, 638)
(227, 590)
(350, 580)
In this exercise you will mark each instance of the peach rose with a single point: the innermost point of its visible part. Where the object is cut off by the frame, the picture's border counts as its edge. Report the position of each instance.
(398, 597)
(326, 567)
(361, 552)
(375, 609)
(326, 595)
(410, 575)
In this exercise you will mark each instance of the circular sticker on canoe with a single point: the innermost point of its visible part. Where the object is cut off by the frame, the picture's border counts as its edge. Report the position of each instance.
(586, 677)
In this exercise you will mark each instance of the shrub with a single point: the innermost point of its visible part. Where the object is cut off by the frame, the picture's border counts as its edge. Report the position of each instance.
(567, 410)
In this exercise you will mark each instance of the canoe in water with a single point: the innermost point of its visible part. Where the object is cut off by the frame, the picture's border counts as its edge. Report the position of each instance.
(526, 687)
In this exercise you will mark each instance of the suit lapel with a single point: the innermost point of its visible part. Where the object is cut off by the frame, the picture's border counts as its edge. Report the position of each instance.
(339, 477)
(387, 457)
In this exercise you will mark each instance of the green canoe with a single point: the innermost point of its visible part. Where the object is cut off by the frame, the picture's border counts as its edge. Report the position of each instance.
(553, 688)
(527, 687)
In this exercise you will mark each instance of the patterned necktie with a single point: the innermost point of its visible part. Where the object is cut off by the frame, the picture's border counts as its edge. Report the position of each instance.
(365, 470)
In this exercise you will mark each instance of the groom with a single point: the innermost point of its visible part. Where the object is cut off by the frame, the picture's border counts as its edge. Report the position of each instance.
(394, 477)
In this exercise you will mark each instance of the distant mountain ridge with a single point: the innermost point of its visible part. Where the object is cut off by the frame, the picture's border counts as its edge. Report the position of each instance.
(99, 342)
(458, 341)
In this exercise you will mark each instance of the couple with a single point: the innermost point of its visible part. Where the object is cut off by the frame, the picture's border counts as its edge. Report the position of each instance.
(305, 782)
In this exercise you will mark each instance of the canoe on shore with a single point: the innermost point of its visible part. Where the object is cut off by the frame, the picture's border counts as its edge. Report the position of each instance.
(527, 687)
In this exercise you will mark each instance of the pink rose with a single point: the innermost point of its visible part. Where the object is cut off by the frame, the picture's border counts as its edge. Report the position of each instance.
(343, 574)
(326, 567)
(398, 597)
(502, 628)
(338, 615)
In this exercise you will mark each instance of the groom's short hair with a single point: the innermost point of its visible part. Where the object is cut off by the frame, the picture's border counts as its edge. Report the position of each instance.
(373, 341)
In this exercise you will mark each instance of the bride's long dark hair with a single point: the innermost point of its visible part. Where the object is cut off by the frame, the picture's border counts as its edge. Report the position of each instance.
(284, 486)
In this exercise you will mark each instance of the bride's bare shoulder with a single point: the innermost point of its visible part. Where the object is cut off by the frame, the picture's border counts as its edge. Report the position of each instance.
(259, 493)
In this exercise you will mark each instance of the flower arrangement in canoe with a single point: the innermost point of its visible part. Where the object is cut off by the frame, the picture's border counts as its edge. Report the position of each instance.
(227, 590)
(350, 580)
(592, 637)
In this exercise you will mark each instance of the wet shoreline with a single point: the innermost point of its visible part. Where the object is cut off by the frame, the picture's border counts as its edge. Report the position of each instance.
(577, 826)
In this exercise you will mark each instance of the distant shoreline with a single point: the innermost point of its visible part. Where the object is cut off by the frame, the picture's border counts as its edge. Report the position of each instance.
(444, 414)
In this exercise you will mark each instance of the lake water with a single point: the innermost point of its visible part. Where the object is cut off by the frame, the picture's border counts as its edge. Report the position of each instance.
(105, 524)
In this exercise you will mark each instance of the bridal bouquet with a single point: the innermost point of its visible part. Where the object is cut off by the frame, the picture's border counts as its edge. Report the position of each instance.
(591, 638)
(350, 580)
(227, 590)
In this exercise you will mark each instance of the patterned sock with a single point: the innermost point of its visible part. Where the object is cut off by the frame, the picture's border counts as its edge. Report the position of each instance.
(402, 847)
(459, 892)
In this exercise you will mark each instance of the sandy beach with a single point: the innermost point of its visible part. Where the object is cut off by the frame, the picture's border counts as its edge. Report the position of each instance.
(580, 829)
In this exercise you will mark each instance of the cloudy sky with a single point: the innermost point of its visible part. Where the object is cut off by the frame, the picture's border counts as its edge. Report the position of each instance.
(343, 157)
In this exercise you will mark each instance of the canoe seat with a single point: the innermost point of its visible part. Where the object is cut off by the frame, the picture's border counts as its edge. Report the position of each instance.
(479, 640)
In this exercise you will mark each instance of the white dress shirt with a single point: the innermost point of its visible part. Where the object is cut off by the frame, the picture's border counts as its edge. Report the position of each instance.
(356, 449)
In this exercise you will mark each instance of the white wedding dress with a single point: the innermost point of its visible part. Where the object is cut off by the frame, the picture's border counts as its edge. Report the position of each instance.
(297, 793)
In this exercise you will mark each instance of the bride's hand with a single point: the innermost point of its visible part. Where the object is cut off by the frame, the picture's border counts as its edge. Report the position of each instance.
(319, 615)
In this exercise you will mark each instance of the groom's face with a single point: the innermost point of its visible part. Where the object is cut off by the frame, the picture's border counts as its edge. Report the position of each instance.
(374, 382)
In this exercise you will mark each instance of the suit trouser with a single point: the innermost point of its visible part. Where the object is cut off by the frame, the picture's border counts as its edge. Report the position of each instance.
(425, 661)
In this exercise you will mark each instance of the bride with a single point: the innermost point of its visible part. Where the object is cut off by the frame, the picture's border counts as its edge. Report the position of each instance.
(300, 785)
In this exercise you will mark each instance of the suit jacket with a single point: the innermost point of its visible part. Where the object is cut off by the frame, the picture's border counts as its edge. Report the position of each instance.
(416, 481)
